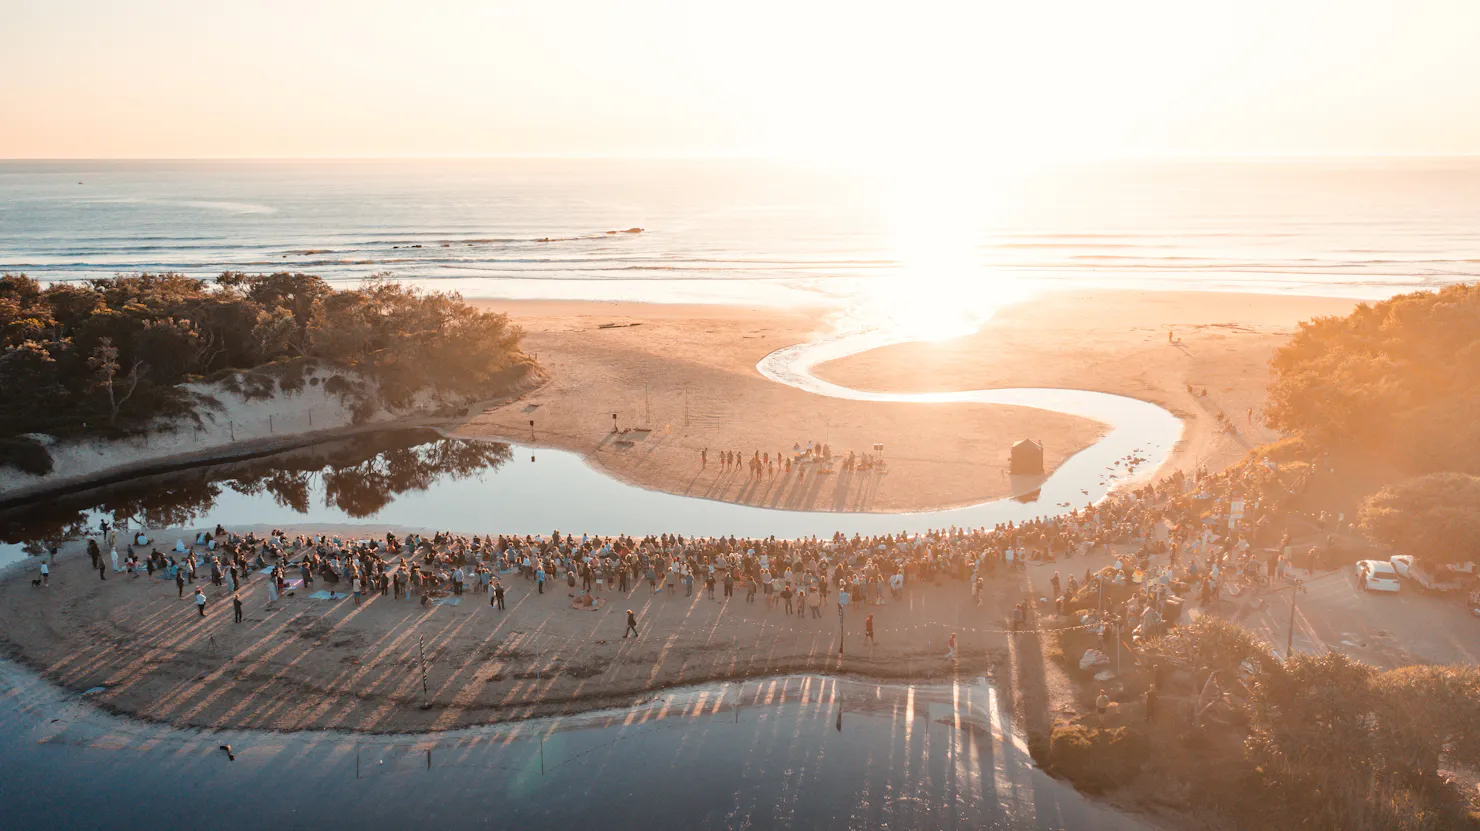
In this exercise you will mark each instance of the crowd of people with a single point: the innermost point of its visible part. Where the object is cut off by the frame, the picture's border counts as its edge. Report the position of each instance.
(816, 455)
(1171, 538)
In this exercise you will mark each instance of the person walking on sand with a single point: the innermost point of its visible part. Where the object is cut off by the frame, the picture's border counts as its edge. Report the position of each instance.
(498, 594)
(868, 629)
(200, 602)
(951, 646)
(45, 574)
(631, 625)
(236, 607)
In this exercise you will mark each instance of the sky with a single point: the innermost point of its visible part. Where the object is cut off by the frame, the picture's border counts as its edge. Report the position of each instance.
(853, 82)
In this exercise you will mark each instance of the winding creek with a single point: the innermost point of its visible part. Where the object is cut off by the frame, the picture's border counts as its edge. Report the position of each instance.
(799, 751)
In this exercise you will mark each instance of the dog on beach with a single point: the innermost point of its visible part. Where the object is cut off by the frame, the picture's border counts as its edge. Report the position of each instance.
(36, 583)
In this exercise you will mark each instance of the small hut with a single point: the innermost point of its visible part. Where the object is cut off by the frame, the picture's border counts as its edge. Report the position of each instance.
(1026, 459)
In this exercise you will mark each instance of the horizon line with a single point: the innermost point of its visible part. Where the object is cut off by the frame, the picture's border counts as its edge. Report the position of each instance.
(1209, 157)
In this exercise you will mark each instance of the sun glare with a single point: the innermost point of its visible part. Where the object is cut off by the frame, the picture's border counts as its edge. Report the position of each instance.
(941, 287)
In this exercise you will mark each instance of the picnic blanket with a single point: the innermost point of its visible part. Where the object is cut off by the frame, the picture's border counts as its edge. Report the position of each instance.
(447, 601)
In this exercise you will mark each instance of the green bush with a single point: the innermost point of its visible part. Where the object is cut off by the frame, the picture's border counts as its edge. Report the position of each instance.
(1097, 759)
(27, 455)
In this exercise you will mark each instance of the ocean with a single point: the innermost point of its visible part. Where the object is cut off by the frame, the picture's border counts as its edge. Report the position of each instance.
(754, 233)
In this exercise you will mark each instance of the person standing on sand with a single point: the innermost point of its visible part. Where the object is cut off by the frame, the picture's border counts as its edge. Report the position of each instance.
(179, 582)
(498, 594)
(45, 574)
(631, 625)
(236, 607)
(200, 602)
(868, 628)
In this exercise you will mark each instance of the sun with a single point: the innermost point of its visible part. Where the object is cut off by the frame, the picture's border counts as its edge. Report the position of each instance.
(941, 286)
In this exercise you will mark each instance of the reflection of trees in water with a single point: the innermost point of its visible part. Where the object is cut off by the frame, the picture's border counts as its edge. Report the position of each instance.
(362, 489)
(360, 482)
(165, 506)
(289, 488)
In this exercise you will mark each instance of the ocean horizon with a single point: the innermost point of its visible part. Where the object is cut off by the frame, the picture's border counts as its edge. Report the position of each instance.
(751, 232)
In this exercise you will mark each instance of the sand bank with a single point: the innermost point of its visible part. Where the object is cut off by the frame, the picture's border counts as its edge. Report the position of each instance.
(688, 373)
(329, 664)
(238, 426)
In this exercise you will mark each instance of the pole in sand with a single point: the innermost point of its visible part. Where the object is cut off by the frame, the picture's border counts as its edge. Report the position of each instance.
(1295, 591)
(840, 630)
(421, 642)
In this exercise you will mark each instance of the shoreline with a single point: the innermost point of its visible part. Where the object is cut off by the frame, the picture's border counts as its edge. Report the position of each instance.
(246, 450)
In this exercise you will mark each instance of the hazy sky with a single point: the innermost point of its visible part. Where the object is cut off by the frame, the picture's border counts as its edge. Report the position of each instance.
(1029, 79)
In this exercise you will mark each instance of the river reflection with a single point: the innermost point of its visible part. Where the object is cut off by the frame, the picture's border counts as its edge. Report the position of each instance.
(357, 477)
(803, 752)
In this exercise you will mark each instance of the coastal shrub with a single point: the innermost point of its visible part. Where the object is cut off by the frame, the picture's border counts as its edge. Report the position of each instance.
(1315, 741)
(338, 385)
(1434, 517)
(113, 355)
(26, 455)
(1097, 759)
(1396, 377)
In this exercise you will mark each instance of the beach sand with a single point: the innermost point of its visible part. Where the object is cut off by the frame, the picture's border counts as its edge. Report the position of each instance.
(688, 372)
(327, 664)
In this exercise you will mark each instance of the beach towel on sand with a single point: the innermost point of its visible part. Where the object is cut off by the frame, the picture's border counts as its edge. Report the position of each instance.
(447, 601)
(321, 595)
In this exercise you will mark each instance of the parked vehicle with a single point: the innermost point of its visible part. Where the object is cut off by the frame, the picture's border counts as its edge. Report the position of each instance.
(1378, 576)
(1439, 578)
(1435, 578)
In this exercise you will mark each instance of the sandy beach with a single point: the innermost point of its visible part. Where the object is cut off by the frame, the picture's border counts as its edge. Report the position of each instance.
(688, 373)
(328, 664)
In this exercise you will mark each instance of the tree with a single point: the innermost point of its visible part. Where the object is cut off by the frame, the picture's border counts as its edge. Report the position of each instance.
(1434, 517)
(104, 362)
(1395, 377)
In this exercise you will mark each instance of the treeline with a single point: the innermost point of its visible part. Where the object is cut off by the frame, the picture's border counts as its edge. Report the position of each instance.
(1312, 742)
(113, 355)
(1396, 378)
